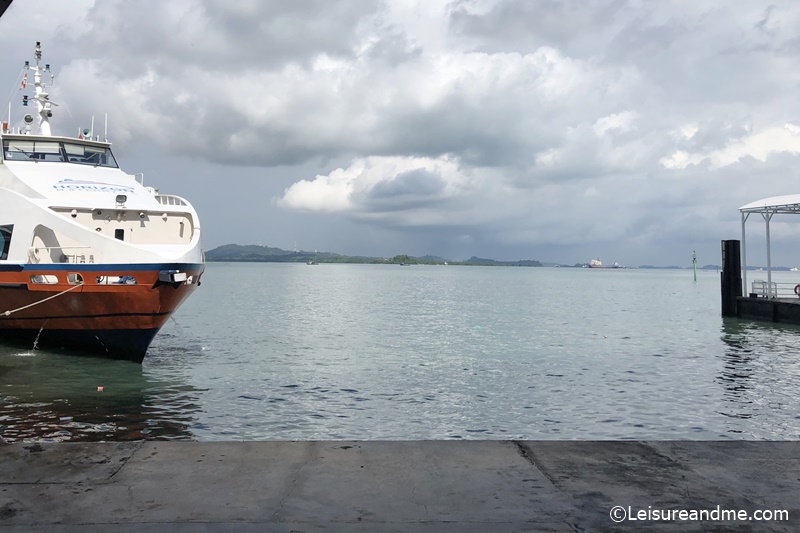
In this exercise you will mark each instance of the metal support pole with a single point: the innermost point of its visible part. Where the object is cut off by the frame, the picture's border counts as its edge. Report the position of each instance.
(744, 256)
(767, 218)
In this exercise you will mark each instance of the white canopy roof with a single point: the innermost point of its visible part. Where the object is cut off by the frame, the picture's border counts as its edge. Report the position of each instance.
(768, 207)
(788, 203)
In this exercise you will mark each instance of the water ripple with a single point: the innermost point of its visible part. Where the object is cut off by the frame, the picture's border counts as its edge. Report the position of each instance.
(269, 351)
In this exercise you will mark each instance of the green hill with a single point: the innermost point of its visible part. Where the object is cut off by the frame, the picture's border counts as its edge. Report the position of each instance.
(257, 253)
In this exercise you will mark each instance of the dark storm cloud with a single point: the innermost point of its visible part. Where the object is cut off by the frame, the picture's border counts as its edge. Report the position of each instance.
(313, 83)
(412, 189)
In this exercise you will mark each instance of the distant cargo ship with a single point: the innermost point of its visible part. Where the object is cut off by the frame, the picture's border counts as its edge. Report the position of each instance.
(596, 263)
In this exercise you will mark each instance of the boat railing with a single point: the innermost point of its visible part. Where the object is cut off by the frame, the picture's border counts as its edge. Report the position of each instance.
(69, 254)
(774, 289)
(170, 199)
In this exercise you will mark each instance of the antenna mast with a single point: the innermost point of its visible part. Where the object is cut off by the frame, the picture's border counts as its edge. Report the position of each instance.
(42, 98)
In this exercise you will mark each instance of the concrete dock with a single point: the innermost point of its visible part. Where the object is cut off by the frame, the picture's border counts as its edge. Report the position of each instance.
(429, 486)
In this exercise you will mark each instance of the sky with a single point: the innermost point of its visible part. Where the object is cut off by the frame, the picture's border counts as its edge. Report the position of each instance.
(555, 130)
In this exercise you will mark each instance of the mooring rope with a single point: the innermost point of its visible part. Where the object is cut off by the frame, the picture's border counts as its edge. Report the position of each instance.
(10, 311)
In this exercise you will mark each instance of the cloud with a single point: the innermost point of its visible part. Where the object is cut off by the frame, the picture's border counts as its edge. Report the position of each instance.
(404, 191)
(284, 100)
(759, 146)
(476, 126)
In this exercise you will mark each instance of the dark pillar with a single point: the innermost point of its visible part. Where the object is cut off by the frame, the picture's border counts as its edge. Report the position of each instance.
(4, 5)
(731, 277)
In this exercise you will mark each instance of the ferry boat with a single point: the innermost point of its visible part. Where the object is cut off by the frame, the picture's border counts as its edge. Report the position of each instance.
(596, 263)
(90, 259)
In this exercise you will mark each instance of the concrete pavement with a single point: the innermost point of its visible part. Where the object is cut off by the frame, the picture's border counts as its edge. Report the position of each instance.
(427, 486)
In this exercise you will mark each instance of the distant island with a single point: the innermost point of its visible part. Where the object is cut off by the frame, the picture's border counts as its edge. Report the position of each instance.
(265, 254)
(256, 253)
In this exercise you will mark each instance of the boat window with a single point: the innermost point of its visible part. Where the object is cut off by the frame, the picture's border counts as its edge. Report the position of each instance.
(25, 150)
(17, 150)
(89, 155)
(47, 151)
(5, 240)
(47, 279)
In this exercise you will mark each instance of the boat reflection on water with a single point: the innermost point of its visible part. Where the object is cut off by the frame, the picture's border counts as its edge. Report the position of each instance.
(49, 396)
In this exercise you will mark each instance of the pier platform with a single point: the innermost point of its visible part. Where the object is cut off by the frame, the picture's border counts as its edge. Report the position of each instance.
(780, 310)
(406, 486)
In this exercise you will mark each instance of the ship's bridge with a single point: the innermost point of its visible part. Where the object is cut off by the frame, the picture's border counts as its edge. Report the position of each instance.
(58, 150)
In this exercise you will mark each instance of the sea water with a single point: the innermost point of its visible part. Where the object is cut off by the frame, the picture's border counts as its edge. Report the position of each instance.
(266, 351)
